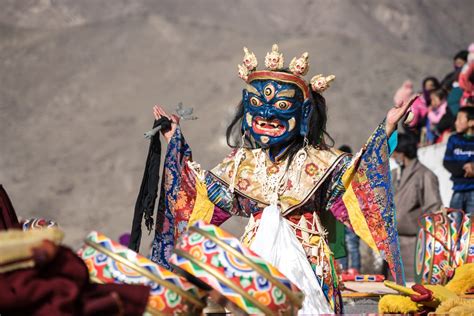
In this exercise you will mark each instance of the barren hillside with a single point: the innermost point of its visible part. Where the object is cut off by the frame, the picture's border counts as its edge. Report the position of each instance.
(79, 79)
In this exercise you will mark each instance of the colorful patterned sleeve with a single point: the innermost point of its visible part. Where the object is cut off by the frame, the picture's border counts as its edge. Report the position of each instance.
(187, 195)
(167, 225)
(360, 196)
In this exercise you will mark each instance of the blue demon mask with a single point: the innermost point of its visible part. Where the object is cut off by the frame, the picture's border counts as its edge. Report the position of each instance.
(275, 112)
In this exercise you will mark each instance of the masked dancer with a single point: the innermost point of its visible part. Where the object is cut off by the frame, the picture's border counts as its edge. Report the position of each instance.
(282, 159)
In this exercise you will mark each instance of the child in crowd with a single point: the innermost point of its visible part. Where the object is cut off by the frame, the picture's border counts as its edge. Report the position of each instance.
(459, 161)
(419, 108)
(451, 82)
(440, 118)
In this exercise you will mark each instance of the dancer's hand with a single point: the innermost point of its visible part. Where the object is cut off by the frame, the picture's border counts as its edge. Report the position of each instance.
(158, 112)
(396, 113)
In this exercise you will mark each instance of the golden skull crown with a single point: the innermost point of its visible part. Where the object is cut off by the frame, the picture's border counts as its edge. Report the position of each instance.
(274, 63)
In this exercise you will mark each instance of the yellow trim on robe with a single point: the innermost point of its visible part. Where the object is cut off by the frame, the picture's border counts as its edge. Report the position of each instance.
(356, 217)
(203, 208)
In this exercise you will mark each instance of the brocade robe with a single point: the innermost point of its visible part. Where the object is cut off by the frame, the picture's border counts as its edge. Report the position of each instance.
(327, 186)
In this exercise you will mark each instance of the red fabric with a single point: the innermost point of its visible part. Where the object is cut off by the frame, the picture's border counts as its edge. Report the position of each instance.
(424, 295)
(295, 220)
(60, 286)
(466, 84)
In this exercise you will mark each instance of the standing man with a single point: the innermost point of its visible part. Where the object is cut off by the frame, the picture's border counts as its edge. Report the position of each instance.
(416, 192)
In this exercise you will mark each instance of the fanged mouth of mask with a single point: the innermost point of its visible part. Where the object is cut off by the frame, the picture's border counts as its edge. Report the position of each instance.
(272, 128)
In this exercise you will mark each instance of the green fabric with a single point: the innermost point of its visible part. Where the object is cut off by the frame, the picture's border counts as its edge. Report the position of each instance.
(454, 99)
(336, 234)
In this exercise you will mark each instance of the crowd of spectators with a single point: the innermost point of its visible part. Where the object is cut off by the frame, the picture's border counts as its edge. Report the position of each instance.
(442, 114)
(435, 111)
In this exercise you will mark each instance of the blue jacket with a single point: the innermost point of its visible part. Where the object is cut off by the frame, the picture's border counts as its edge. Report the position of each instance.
(459, 151)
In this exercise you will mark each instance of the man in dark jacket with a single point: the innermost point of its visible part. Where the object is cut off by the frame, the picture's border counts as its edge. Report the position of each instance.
(416, 192)
(459, 60)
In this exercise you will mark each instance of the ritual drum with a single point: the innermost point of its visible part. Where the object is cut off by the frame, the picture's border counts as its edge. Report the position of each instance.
(110, 262)
(243, 281)
(445, 241)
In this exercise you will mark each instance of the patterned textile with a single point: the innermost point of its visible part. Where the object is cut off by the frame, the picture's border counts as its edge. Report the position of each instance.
(178, 199)
(356, 191)
(171, 215)
(218, 194)
(314, 171)
(361, 197)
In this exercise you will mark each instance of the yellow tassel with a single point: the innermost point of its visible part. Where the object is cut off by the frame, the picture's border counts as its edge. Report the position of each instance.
(440, 293)
(397, 304)
(445, 298)
(399, 288)
(463, 279)
(203, 207)
(457, 306)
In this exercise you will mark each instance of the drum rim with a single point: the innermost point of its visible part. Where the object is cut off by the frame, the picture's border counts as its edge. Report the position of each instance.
(186, 295)
(153, 311)
(435, 222)
(216, 274)
(464, 255)
(294, 299)
(420, 247)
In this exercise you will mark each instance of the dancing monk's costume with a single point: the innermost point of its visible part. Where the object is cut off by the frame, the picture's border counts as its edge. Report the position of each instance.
(284, 164)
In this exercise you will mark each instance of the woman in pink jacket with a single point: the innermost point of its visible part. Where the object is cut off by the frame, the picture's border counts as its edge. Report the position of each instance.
(420, 106)
(439, 117)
